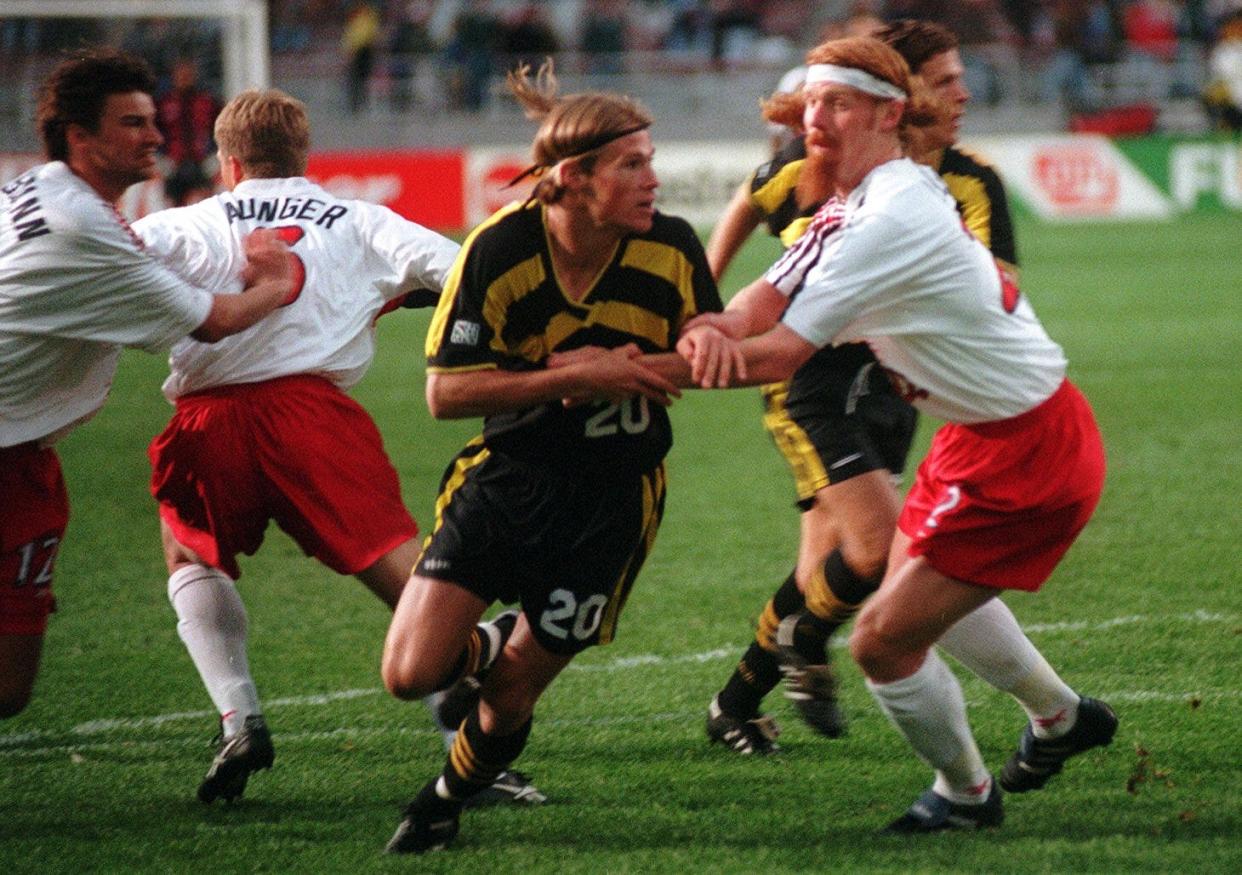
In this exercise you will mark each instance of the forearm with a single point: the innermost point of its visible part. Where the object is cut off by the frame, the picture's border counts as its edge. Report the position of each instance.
(671, 367)
(738, 222)
(233, 313)
(486, 392)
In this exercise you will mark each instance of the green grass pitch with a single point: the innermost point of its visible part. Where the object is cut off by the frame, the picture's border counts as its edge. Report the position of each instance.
(99, 773)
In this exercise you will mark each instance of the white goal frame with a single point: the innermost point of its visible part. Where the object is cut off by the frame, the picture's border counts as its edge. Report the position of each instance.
(243, 44)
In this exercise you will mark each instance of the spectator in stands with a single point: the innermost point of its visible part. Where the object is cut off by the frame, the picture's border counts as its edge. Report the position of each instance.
(470, 55)
(186, 115)
(1223, 96)
(604, 35)
(734, 29)
(1081, 34)
(359, 42)
(408, 49)
(526, 37)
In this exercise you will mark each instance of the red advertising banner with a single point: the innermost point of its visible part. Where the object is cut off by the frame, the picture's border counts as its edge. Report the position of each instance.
(424, 186)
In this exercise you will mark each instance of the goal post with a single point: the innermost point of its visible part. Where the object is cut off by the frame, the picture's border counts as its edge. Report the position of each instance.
(245, 61)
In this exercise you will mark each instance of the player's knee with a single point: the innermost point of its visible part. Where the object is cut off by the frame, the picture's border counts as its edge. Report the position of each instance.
(406, 677)
(874, 643)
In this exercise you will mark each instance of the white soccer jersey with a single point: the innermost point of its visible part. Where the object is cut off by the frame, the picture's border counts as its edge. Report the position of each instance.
(75, 287)
(903, 274)
(354, 257)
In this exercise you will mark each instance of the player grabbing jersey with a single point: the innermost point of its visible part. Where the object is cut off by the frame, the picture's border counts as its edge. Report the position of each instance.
(839, 418)
(554, 507)
(76, 286)
(263, 428)
(1009, 481)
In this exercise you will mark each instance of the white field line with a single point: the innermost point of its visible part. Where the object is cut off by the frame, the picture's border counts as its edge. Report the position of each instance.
(106, 725)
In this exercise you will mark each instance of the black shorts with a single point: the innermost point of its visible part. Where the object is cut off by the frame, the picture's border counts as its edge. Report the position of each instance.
(568, 547)
(836, 419)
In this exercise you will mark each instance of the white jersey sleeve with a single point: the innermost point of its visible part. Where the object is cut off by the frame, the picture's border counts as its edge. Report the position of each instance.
(904, 275)
(352, 259)
(75, 287)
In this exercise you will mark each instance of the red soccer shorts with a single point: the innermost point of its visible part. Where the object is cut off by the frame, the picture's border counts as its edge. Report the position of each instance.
(296, 450)
(998, 503)
(33, 515)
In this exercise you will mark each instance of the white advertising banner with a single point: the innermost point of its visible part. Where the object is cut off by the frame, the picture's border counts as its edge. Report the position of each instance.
(1073, 177)
(696, 179)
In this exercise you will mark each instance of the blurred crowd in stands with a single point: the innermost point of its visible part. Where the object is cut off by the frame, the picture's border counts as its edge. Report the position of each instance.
(448, 55)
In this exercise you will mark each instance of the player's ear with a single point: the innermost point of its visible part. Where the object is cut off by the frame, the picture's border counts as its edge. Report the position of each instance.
(569, 174)
(76, 136)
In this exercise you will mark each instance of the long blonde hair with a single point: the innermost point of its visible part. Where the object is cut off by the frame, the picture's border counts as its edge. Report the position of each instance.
(573, 126)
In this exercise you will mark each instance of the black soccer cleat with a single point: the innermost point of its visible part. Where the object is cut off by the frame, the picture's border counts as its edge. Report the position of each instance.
(812, 688)
(509, 787)
(453, 705)
(428, 824)
(931, 812)
(756, 735)
(250, 750)
(1037, 759)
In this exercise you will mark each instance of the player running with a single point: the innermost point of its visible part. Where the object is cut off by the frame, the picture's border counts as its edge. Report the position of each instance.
(554, 507)
(75, 288)
(264, 428)
(1009, 482)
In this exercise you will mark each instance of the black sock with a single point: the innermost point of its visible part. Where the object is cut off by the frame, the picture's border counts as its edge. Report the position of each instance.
(476, 758)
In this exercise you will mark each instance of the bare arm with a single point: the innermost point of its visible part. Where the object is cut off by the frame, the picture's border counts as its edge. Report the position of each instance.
(718, 361)
(753, 310)
(269, 281)
(738, 222)
(612, 375)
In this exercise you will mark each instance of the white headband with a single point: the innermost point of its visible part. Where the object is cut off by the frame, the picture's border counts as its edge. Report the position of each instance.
(817, 74)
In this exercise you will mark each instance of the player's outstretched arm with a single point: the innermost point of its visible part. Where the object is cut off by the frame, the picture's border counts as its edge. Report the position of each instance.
(606, 374)
(717, 361)
(269, 281)
(752, 311)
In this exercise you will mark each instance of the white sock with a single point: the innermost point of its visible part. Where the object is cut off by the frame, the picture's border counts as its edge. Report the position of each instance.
(989, 642)
(930, 711)
(211, 621)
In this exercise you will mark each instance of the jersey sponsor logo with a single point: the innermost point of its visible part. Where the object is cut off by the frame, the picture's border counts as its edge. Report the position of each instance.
(430, 563)
(464, 333)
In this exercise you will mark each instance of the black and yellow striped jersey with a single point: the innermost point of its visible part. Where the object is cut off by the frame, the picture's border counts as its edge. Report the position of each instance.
(773, 191)
(981, 200)
(974, 184)
(502, 307)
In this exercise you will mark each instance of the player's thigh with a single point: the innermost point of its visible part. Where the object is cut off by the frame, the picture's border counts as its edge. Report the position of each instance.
(590, 556)
(332, 487)
(388, 575)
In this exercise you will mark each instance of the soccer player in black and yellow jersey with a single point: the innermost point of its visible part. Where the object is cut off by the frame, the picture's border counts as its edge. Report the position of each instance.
(844, 432)
(556, 505)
